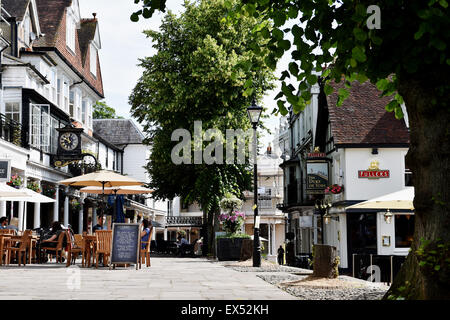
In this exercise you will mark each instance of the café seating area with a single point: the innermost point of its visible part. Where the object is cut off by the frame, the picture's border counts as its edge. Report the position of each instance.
(89, 249)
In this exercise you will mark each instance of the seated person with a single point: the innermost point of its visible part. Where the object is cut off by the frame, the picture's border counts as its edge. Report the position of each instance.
(182, 243)
(4, 222)
(145, 233)
(53, 235)
(101, 224)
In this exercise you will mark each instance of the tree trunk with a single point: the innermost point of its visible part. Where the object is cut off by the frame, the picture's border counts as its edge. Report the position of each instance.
(205, 245)
(325, 261)
(213, 225)
(428, 159)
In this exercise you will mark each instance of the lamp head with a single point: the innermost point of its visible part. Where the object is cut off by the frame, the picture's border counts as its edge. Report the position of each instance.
(254, 113)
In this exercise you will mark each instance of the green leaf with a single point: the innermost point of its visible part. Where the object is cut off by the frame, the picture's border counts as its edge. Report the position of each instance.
(134, 17)
(279, 18)
(437, 267)
(443, 3)
(359, 34)
(277, 34)
(293, 68)
(284, 44)
(312, 79)
(358, 54)
(353, 63)
(382, 84)
(399, 113)
(377, 40)
(328, 89)
(391, 106)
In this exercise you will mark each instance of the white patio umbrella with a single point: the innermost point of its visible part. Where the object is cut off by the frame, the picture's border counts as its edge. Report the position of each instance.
(8, 193)
(400, 200)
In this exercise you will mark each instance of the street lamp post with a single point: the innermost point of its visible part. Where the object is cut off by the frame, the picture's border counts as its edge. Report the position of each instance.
(254, 113)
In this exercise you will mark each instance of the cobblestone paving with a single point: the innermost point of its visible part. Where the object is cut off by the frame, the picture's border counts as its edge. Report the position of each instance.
(167, 279)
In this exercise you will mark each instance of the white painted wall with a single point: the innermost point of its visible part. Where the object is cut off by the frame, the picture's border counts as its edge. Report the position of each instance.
(392, 159)
(135, 157)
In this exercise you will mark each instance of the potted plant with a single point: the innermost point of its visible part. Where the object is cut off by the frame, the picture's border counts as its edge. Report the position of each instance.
(334, 189)
(229, 245)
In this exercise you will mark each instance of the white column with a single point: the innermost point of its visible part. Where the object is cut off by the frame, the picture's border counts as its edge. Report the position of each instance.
(165, 234)
(80, 215)
(37, 215)
(66, 209)
(2, 208)
(274, 237)
(56, 205)
(37, 211)
(21, 209)
(25, 216)
(269, 249)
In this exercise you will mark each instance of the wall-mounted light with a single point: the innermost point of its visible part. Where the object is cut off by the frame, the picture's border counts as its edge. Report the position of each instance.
(388, 216)
(326, 218)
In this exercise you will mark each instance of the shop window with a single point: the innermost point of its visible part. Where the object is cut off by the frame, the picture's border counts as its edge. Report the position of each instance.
(404, 230)
(362, 233)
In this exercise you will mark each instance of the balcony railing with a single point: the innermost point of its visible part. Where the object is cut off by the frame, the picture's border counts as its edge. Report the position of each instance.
(184, 221)
(13, 132)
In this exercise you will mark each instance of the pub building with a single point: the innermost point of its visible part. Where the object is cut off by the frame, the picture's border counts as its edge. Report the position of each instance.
(340, 156)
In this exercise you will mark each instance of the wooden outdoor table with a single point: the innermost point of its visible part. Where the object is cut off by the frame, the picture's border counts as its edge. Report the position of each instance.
(88, 240)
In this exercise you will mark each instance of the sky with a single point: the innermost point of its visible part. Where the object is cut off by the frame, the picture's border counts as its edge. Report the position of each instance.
(123, 43)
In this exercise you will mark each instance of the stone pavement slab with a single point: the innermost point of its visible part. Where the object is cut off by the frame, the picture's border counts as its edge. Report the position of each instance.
(169, 278)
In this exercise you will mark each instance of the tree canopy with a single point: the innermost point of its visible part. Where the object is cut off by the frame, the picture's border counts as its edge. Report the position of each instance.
(194, 76)
(103, 111)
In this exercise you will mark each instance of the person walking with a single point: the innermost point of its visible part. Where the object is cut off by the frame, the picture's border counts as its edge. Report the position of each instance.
(280, 255)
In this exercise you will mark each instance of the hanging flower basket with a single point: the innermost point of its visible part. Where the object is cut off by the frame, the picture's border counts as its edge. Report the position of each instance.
(49, 191)
(334, 189)
(34, 186)
(15, 182)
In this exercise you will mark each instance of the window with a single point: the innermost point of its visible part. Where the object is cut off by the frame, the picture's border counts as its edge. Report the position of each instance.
(83, 111)
(59, 93)
(70, 32)
(12, 111)
(93, 60)
(40, 127)
(53, 86)
(26, 30)
(71, 103)
(66, 95)
(404, 230)
(54, 135)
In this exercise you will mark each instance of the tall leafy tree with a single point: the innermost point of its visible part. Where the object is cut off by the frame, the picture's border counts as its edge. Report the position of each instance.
(407, 55)
(194, 76)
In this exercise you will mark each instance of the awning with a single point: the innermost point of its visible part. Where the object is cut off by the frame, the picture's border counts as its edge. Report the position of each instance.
(397, 201)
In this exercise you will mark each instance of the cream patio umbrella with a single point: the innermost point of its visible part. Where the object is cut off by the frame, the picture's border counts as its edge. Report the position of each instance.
(400, 200)
(117, 190)
(102, 178)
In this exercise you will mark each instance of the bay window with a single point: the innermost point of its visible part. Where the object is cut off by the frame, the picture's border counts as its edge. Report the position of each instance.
(40, 126)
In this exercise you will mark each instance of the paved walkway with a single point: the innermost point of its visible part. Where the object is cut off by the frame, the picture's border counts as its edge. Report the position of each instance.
(167, 279)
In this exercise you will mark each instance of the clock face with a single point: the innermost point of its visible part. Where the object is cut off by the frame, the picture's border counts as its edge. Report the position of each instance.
(68, 141)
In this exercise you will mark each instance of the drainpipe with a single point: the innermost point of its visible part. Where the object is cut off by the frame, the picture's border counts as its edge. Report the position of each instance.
(14, 37)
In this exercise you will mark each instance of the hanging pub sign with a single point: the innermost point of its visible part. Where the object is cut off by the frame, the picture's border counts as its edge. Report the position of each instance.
(373, 172)
(316, 177)
(5, 170)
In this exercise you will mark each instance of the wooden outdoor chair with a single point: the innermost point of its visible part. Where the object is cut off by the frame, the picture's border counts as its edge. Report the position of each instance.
(75, 246)
(103, 245)
(3, 251)
(145, 253)
(59, 246)
(21, 250)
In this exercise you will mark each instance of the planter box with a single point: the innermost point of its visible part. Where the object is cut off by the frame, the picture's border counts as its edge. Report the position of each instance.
(229, 249)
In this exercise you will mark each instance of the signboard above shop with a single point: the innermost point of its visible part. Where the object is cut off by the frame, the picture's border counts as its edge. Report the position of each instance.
(316, 177)
(373, 172)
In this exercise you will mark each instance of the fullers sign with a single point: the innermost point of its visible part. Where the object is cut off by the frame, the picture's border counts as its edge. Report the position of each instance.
(373, 172)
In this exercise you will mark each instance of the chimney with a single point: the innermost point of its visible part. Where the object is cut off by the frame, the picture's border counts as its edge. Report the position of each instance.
(269, 149)
(95, 15)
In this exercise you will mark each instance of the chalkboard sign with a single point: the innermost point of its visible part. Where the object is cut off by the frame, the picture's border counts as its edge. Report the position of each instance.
(125, 243)
(5, 170)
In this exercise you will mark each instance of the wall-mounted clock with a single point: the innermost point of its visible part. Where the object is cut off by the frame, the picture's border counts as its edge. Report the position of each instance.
(69, 141)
